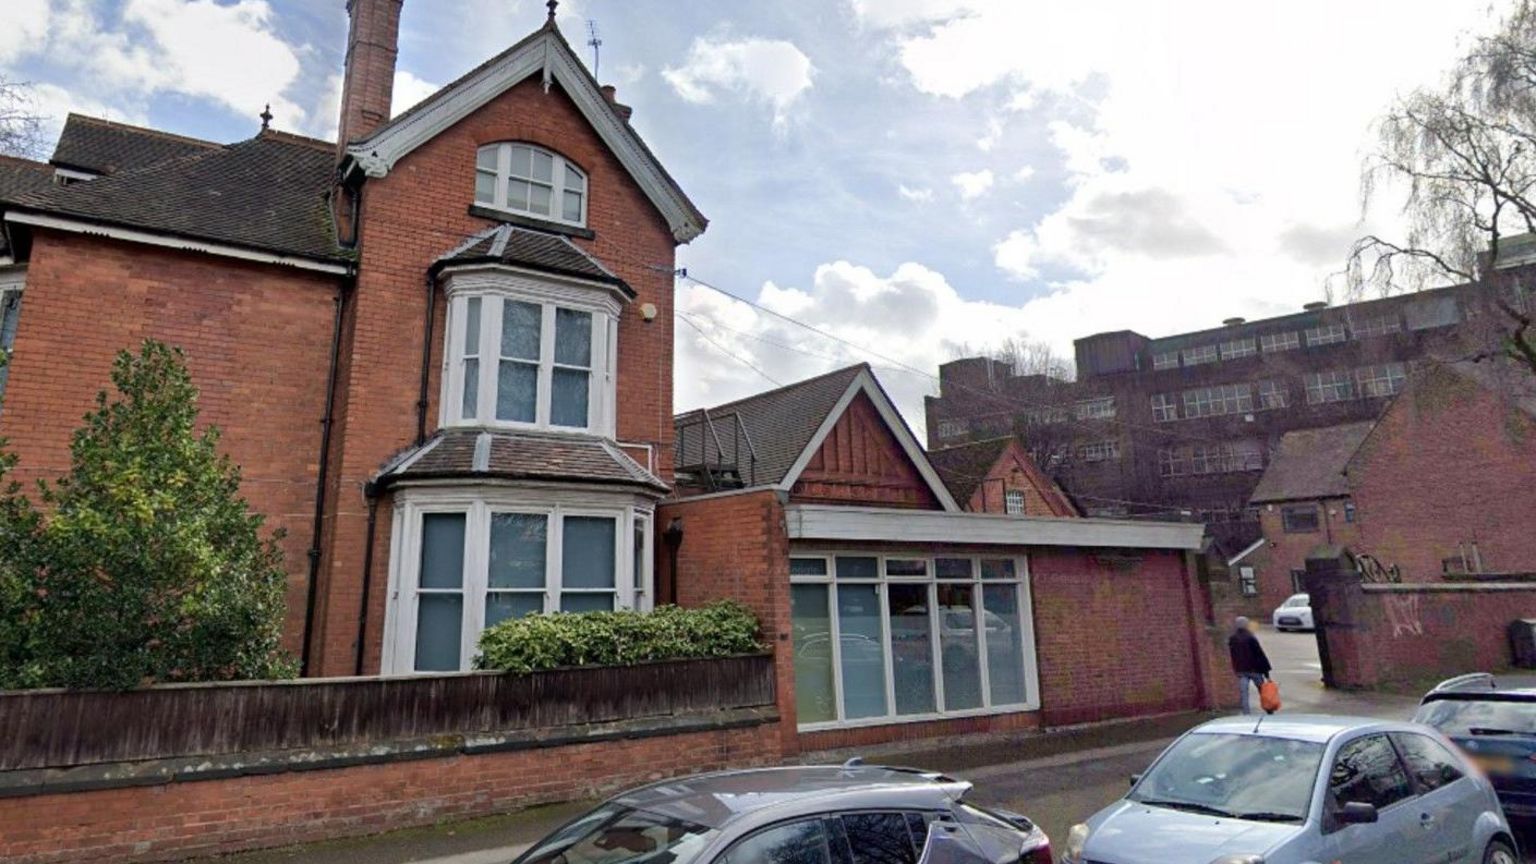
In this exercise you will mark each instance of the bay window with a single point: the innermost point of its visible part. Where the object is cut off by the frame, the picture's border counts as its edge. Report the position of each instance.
(519, 356)
(896, 638)
(466, 561)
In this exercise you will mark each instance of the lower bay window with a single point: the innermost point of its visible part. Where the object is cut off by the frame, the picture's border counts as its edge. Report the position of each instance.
(891, 638)
(462, 563)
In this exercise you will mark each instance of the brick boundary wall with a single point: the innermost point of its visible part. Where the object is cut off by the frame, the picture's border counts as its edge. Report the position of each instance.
(178, 820)
(1380, 634)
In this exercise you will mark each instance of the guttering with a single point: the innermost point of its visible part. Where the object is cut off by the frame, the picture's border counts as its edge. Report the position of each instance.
(321, 476)
(172, 241)
(426, 358)
(875, 524)
(372, 494)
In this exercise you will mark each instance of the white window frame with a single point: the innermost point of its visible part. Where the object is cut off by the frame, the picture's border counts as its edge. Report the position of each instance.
(477, 505)
(1336, 385)
(1165, 360)
(1200, 354)
(954, 427)
(1099, 451)
(1218, 401)
(560, 174)
(1272, 395)
(1098, 408)
(1289, 340)
(1237, 348)
(1379, 325)
(1013, 502)
(1386, 379)
(1165, 407)
(1027, 636)
(1326, 334)
(496, 287)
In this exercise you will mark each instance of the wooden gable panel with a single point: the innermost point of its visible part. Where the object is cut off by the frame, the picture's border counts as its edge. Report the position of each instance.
(862, 462)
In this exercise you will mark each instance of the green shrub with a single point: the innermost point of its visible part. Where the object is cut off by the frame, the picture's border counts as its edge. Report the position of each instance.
(143, 564)
(538, 642)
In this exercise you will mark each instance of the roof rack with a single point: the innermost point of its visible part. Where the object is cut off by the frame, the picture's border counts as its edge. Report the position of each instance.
(1470, 681)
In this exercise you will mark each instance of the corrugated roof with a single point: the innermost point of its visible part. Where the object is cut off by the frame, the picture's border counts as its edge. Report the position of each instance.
(536, 250)
(964, 466)
(476, 453)
(1309, 464)
(267, 193)
(780, 423)
(104, 147)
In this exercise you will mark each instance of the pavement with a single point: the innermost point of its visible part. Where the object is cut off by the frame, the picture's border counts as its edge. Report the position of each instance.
(1057, 778)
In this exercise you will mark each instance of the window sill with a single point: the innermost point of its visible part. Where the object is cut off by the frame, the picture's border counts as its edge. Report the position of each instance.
(536, 224)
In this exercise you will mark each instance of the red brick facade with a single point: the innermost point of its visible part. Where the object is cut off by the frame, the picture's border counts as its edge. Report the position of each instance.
(255, 338)
(1285, 551)
(1014, 471)
(1450, 466)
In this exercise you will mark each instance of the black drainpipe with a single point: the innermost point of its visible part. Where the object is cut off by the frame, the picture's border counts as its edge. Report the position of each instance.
(371, 492)
(674, 540)
(320, 478)
(426, 359)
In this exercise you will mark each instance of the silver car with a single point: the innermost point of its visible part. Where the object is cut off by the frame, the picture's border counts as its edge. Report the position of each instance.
(1302, 789)
(851, 814)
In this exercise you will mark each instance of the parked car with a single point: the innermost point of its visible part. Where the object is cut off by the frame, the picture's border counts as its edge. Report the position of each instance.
(1294, 614)
(805, 815)
(1266, 790)
(1496, 728)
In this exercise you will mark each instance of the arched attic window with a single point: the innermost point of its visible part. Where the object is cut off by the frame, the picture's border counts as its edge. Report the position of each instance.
(532, 181)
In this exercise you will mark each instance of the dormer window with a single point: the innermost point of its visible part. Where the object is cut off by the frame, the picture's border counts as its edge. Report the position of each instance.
(521, 178)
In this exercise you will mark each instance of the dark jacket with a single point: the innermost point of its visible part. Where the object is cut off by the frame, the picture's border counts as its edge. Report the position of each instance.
(1247, 654)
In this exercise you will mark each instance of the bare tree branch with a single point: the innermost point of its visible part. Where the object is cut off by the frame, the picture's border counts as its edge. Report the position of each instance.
(21, 127)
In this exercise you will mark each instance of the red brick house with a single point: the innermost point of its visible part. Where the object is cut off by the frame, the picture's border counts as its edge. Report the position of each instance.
(901, 614)
(1445, 482)
(1304, 502)
(997, 476)
(441, 349)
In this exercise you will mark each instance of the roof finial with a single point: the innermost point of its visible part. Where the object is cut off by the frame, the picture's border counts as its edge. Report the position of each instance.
(552, 4)
(266, 117)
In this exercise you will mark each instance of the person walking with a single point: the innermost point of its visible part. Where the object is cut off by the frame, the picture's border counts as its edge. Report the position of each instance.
(1249, 662)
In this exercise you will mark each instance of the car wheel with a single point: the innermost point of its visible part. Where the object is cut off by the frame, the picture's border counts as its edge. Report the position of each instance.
(1499, 853)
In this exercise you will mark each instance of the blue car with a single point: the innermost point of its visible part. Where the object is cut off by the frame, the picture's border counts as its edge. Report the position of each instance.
(1496, 728)
(1298, 790)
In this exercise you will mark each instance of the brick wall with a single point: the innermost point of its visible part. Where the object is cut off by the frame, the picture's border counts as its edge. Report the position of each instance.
(1013, 472)
(1284, 552)
(1449, 465)
(410, 218)
(257, 342)
(1379, 634)
(1116, 636)
(177, 820)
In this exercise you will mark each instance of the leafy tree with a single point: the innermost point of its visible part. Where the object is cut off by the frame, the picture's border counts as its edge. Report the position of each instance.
(1465, 153)
(145, 565)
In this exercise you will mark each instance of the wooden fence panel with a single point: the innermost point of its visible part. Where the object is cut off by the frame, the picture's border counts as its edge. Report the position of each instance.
(51, 728)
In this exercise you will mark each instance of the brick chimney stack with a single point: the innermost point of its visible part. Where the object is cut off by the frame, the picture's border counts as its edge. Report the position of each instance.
(369, 82)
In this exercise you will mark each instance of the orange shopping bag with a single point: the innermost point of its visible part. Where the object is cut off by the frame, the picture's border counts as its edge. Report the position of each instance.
(1269, 696)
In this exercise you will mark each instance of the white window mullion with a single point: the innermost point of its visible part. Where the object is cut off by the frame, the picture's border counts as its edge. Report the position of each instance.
(490, 357)
(981, 643)
(885, 642)
(935, 636)
(837, 648)
(546, 364)
(1027, 636)
(503, 168)
(625, 575)
(553, 553)
(476, 567)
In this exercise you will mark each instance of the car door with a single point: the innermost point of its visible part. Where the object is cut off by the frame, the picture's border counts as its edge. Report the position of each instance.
(803, 841)
(882, 837)
(1367, 770)
(1448, 805)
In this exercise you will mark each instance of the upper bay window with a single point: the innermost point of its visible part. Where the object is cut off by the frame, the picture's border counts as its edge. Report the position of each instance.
(521, 178)
(531, 356)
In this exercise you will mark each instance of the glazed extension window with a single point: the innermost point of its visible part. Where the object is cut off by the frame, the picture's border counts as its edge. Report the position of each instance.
(530, 180)
(10, 317)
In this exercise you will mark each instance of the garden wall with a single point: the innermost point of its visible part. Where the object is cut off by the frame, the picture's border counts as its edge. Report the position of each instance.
(169, 772)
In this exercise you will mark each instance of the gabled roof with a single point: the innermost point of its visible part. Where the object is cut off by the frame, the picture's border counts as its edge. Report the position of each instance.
(99, 146)
(1309, 464)
(267, 194)
(964, 466)
(543, 52)
(787, 425)
(18, 177)
(462, 454)
(534, 250)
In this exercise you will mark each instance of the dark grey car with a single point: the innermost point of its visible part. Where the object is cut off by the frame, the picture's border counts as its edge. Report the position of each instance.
(851, 814)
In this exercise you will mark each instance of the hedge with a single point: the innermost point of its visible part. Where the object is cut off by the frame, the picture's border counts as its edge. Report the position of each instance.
(535, 642)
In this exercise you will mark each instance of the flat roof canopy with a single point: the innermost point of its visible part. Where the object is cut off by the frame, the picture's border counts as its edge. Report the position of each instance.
(879, 524)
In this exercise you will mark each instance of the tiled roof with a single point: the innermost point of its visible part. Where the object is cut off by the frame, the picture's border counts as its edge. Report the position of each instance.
(18, 177)
(1309, 464)
(472, 453)
(103, 147)
(535, 250)
(964, 466)
(266, 193)
(780, 423)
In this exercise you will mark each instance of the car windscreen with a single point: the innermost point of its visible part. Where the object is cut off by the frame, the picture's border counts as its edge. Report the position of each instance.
(1241, 776)
(619, 835)
(1297, 602)
(1462, 718)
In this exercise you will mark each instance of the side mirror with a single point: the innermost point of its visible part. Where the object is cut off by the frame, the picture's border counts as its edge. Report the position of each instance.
(1357, 813)
(1135, 778)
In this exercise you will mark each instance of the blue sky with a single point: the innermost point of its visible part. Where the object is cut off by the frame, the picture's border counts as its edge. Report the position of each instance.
(917, 176)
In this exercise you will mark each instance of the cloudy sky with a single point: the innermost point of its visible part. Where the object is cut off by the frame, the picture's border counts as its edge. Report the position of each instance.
(917, 177)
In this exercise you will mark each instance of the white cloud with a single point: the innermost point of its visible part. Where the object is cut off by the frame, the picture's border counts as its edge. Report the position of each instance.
(1023, 174)
(918, 194)
(26, 23)
(973, 184)
(409, 90)
(769, 70)
(994, 134)
(905, 13)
